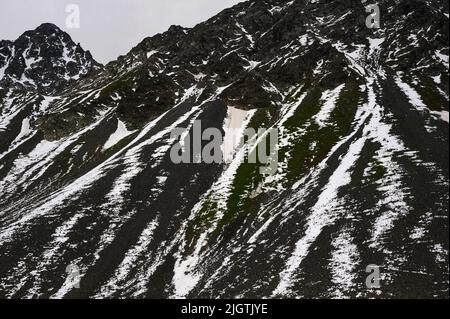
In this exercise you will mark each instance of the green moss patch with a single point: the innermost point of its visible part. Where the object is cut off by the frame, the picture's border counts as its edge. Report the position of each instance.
(314, 144)
(303, 153)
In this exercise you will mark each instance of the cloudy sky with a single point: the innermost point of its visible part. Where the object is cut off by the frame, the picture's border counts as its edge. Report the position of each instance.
(108, 28)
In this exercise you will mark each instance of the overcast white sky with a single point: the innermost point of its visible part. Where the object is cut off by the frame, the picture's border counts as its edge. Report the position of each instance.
(108, 28)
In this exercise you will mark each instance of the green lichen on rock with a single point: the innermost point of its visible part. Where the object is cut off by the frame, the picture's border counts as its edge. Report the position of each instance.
(239, 200)
(202, 220)
(249, 174)
(315, 142)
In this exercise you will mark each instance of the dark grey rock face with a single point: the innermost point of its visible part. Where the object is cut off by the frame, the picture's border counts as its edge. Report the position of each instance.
(86, 177)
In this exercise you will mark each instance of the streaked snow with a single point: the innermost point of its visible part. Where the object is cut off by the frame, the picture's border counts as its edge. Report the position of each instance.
(129, 261)
(343, 263)
(321, 215)
(329, 98)
(415, 99)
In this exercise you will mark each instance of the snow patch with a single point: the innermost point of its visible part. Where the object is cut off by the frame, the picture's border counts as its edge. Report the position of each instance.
(120, 133)
(234, 129)
(24, 131)
(46, 102)
(375, 45)
(150, 53)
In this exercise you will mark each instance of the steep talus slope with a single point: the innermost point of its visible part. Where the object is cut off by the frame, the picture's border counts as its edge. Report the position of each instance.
(361, 178)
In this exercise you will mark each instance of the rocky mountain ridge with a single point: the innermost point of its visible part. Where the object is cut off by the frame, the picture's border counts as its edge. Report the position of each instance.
(45, 59)
(86, 177)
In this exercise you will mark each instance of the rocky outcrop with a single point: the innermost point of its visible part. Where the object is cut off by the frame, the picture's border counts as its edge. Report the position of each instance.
(45, 59)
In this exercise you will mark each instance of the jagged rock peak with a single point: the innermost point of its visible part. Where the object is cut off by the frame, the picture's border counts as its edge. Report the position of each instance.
(45, 58)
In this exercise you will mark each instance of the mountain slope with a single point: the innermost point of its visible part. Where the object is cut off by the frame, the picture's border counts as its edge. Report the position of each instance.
(361, 179)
